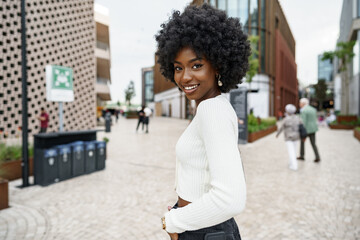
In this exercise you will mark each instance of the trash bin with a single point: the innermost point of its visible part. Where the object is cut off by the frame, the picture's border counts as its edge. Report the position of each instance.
(48, 167)
(64, 157)
(90, 157)
(77, 158)
(100, 154)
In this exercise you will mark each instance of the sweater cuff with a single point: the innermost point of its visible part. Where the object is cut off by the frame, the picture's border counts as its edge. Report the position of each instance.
(170, 223)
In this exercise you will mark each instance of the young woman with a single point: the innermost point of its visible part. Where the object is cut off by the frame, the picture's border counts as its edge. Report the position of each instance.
(205, 53)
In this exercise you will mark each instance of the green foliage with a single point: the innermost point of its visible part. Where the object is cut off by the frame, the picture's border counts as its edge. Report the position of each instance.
(320, 91)
(14, 152)
(253, 59)
(130, 92)
(256, 124)
(344, 52)
(105, 139)
(358, 129)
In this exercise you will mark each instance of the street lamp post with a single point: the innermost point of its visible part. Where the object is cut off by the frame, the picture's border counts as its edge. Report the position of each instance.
(25, 157)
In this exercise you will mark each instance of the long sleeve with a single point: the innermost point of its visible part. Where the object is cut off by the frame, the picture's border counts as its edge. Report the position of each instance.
(217, 127)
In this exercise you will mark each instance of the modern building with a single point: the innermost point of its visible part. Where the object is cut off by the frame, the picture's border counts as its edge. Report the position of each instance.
(58, 33)
(276, 80)
(347, 93)
(325, 69)
(147, 76)
(103, 57)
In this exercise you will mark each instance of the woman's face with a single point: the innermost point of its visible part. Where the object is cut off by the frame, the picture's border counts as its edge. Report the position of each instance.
(195, 76)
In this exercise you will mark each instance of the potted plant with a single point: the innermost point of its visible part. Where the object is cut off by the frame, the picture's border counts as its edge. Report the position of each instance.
(4, 191)
(345, 122)
(357, 133)
(259, 128)
(10, 158)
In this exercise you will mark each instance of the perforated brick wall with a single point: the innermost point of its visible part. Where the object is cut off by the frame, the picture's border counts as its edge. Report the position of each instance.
(60, 32)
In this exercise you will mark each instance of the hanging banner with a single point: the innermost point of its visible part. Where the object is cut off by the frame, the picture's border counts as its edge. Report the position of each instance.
(59, 84)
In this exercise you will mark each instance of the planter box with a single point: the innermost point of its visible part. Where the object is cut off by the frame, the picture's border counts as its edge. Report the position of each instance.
(4, 193)
(340, 119)
(252, 137)
(131, 115)
(12, 170)
(357, 134)
(341, 126)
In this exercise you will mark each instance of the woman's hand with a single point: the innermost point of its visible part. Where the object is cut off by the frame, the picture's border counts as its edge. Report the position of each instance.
(173, 236)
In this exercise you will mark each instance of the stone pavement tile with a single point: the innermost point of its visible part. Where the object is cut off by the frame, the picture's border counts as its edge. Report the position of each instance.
(127, 199)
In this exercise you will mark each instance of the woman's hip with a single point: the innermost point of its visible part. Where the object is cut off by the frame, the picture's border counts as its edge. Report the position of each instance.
(227, 230)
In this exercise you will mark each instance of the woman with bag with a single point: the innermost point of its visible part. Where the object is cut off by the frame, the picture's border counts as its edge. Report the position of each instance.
(205, 53)
(291, 127)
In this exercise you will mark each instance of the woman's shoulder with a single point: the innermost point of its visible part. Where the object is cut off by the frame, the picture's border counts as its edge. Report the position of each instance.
(217, 104)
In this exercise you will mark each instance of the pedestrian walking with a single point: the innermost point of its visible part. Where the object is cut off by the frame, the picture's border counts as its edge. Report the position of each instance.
(44, 120)
(290, 126)
(205, 53)
(140, 118)
(147, 114)
(309, 119)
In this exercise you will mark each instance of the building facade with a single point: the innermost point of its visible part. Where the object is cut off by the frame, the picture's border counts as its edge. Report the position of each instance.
(57, 33)
(103, 58)
(347, 93)
(276, 80)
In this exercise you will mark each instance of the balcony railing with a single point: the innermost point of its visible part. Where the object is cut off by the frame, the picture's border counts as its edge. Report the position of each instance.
(103, 81)
(102, 45)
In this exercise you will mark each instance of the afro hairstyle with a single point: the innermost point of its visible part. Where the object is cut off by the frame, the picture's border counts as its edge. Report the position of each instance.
(212, 35)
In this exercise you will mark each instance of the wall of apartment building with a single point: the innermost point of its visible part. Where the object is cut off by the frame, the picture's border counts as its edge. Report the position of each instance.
(59, 33)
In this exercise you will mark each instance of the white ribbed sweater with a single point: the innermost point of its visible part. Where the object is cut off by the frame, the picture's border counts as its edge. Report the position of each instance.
(209, 172)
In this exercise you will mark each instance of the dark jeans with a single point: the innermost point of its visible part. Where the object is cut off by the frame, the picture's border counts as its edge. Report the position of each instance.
(229, 227)
(43, 130)
(312, 140)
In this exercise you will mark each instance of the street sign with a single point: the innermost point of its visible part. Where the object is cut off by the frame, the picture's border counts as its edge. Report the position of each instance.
(59, 84)
(238, 99)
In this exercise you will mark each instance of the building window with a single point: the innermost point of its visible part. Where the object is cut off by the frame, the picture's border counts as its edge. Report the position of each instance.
(149, 86)
(221, 4)
(262, 53)
(233, 8)
(254, 13)
(244, 13)
(212, 3)
(263, 13)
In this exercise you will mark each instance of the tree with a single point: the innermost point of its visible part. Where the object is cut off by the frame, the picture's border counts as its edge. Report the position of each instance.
(344, 52)
(130, 92)
(253, 59)
(320, 91)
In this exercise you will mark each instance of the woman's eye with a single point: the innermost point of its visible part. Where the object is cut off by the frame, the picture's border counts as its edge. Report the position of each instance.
(177, 68)
(197, 66)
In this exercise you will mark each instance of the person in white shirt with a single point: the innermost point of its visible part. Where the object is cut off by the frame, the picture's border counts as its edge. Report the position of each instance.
(147, 114)
(205, 53)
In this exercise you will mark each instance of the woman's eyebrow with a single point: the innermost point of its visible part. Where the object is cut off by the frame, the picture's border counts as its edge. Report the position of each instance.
(191, 60)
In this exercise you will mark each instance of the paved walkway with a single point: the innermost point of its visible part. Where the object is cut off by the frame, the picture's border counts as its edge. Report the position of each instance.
(126, 201)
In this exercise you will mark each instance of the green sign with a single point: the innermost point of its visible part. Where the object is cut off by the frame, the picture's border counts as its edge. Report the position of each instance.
(59, 84)
(62, 78)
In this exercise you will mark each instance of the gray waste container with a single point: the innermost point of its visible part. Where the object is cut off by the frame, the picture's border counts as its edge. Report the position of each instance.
(49, 167)
(77, 158)
(100, 154)
(90, 157)
(64, 157)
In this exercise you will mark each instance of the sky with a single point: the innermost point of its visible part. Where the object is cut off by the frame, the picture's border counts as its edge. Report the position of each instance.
(133, 24)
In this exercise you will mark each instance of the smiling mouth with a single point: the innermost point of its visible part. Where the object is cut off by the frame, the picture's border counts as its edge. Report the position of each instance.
(190, 88)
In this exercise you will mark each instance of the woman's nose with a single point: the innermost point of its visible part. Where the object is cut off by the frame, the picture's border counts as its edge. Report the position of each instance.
(187, 75)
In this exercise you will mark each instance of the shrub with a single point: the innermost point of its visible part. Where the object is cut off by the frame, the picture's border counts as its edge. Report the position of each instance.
(14, 152)
(105, 139)
(254, 125)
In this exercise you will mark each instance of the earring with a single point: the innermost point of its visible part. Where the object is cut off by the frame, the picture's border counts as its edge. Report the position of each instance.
(219, 82)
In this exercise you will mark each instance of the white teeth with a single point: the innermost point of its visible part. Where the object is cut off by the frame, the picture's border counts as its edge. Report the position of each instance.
(191, 87)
